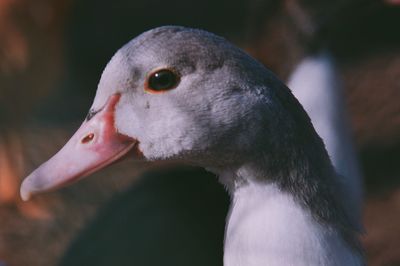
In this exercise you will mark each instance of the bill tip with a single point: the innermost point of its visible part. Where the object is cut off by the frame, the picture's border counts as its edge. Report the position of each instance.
(25, 194)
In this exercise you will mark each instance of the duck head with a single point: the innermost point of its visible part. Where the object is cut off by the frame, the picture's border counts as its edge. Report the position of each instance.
(174, 93)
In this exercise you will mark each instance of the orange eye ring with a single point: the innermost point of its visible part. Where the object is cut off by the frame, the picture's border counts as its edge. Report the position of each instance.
(161, 80)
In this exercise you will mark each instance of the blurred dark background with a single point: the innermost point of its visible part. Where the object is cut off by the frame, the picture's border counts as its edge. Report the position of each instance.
(52, 54)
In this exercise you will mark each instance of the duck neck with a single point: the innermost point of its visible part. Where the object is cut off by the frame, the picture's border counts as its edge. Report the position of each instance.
(286, 216)
(322, 98)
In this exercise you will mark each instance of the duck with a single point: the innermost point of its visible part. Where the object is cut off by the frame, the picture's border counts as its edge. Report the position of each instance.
(176, 94)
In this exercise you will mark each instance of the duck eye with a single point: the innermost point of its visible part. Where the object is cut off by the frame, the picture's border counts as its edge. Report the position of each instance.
(162, 80)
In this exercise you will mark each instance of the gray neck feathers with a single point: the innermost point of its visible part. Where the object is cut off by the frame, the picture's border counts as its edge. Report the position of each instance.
(296, 160)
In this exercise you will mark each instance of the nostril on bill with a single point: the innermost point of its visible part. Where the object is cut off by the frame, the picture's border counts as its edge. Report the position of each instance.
(88, 138)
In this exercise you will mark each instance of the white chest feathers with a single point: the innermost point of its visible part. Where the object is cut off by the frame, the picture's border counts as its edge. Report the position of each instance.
(267, 227)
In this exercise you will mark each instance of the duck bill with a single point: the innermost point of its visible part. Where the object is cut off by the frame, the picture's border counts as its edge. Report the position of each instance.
(95, 145)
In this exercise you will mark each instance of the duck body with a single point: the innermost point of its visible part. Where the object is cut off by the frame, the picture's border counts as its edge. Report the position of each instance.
(287, 233)
(227, 113)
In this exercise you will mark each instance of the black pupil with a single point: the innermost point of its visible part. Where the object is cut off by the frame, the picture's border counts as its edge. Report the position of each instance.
(162, 80)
